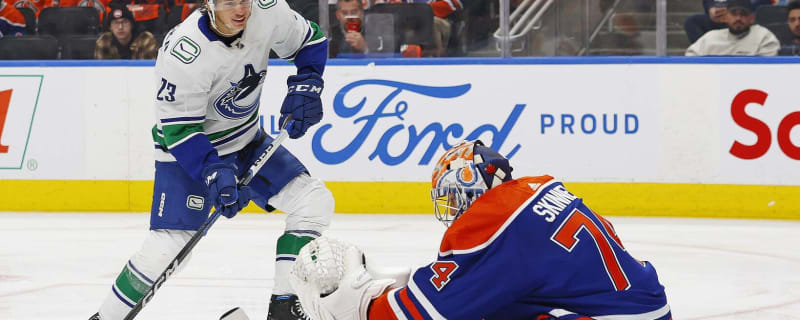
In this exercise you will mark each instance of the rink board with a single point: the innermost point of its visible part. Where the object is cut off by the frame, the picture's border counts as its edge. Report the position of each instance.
(710, 137)
(617, 199)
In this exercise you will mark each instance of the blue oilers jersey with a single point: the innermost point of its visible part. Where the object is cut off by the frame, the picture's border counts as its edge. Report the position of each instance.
(529, 249)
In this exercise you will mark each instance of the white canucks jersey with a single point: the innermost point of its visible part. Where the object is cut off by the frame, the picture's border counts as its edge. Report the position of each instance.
(208, 87)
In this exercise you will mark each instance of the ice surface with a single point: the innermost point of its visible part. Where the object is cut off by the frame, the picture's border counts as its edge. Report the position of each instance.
(56, 266)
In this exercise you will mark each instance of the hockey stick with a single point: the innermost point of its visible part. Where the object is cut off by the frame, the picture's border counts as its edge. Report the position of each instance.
(172, 266)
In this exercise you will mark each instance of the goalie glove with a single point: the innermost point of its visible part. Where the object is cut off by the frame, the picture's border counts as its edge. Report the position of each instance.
(400, 275)
(351, 299)
(325, 259)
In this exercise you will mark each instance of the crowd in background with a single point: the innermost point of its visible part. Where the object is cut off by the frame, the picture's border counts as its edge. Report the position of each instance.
(130, 27)
(133, 29)
(106, 29)
(729, 27)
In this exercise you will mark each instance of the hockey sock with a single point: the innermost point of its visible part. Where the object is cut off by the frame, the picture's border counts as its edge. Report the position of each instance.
(135, 279)
(289, 245)
(129, 287)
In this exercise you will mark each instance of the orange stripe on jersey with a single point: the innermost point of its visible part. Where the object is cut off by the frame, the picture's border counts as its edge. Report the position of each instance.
(489, 213)
(412, 309)
(380, 309)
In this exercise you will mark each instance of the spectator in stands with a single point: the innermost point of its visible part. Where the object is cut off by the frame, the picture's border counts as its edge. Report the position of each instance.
(12, 23)
(743, 37)
(99, 5)
(348, 36)
(35, 5)
(122, 41)
(713, 18)
(442, 11)
(791, 46)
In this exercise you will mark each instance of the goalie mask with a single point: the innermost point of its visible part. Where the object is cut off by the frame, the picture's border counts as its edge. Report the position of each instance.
(463, 174)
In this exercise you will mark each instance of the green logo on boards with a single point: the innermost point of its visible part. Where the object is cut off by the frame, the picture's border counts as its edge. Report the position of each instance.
(265, 4)
(186, 50)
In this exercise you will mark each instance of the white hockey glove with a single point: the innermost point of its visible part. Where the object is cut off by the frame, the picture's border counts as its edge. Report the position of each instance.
(332, 283)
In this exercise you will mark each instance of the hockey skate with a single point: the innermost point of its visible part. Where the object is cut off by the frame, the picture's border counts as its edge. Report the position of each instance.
(286, 307)
(96, 316)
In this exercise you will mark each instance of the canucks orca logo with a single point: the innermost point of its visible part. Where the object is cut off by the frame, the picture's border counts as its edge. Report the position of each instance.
(226, 104)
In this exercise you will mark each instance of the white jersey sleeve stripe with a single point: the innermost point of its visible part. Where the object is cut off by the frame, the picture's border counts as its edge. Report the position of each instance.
(178, 123)
(423, 301)
(182, 140)
(392, 297)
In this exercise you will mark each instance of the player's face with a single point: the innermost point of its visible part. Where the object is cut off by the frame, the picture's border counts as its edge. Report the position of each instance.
(794, 22)
(452, 204)
(231, 15)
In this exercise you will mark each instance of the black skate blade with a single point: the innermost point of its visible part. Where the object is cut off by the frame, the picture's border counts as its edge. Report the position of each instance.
(234, 314)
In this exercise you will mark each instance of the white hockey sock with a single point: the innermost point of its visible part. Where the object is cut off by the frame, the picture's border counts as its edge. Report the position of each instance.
(135, 279)
(282, 285)
(309, 207)
(289, 244)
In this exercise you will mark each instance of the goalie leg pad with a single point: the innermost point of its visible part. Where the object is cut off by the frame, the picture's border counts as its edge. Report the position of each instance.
(136, 277)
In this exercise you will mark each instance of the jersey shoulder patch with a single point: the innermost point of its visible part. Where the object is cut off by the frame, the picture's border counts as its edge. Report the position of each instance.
(186, 50)
(266, 4)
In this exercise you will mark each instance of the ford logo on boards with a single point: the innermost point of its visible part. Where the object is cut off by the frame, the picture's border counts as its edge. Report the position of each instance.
(392, 107)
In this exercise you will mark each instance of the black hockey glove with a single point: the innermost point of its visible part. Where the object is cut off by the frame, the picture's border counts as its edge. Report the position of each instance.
(302, 103)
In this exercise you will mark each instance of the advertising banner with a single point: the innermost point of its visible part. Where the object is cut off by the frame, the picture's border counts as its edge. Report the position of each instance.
(19, 95)
(707, 126)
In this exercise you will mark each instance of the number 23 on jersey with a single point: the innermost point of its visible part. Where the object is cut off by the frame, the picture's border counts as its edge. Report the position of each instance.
(166, 92)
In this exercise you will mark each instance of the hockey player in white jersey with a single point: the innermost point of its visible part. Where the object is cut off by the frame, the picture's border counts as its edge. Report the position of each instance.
(209, 75)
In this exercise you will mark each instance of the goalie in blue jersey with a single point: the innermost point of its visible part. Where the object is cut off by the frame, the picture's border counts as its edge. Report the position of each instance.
(523, 248)
(208, 79)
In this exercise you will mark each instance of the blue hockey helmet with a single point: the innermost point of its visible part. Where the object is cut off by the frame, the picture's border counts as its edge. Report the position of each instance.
(463, 174)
